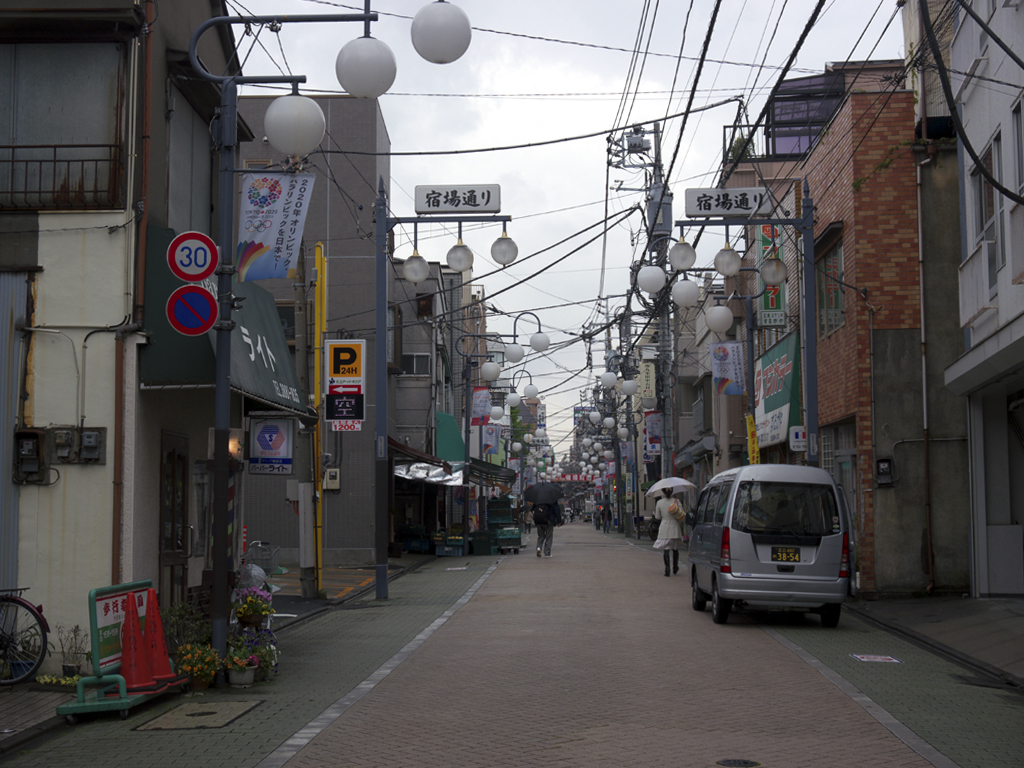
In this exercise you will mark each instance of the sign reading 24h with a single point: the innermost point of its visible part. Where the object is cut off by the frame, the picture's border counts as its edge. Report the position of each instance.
(343, 372)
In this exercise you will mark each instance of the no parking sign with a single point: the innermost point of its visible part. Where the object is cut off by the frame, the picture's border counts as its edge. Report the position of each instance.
(192, 310)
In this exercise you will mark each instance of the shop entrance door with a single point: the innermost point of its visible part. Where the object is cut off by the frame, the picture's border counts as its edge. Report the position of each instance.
(175, 532)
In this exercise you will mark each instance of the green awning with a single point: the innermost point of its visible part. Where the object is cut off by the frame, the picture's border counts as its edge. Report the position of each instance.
(262, 367)
(450, 445)
(491, 473)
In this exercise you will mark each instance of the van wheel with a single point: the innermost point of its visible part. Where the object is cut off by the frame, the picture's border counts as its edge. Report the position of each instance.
(720, 607)
(830, 615)
(697, 599)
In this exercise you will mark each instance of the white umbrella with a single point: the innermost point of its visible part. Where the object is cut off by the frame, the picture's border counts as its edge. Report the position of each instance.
(675, 483)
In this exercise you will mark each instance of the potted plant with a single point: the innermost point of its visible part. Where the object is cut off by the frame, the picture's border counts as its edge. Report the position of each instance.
(252, 605)
(259, 643)
(200, 663)
(241, 668)
(73, 649)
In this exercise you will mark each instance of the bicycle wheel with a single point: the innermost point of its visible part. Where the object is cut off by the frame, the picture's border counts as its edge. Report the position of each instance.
(22, 642)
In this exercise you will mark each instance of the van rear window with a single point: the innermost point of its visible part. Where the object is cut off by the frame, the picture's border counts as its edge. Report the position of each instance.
(780, 508)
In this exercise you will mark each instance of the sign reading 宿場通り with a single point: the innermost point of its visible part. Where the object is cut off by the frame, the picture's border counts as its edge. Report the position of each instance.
(270, 449)
(454, 198)
(344, 395)
(728, 202)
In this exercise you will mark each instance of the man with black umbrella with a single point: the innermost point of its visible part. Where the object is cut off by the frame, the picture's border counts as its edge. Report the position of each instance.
(546, 517)
(546, 513)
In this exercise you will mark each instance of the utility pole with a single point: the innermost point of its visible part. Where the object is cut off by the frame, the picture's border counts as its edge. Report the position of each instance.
(303, 444)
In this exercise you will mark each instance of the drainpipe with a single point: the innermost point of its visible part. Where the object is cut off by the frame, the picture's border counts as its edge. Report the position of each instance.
(137, 309)
(924, 389)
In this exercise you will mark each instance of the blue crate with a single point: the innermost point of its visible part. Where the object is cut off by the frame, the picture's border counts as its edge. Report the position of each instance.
(445, 550)
(417, 545)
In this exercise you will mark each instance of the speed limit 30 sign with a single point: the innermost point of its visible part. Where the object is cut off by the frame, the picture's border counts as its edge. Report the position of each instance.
(192, 256)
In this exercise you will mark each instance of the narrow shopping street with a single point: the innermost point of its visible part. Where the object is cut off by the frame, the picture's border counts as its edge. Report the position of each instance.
(588, 658)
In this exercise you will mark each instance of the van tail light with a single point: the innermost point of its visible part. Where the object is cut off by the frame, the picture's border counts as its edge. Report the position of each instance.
(844, 564)
(725, 555)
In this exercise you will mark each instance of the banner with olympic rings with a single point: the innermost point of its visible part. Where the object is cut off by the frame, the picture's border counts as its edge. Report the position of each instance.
(271, 219)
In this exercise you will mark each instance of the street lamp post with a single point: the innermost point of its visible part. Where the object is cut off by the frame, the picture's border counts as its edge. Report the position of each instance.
(365, 68)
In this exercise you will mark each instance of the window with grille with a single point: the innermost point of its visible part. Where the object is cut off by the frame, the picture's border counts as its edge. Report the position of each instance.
(416, 364)
(829, 277)
(828, 450)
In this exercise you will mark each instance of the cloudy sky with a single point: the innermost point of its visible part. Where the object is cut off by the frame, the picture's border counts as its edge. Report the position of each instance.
(549, 73)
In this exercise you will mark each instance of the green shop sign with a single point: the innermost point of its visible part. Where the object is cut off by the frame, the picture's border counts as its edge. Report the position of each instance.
(777, 391)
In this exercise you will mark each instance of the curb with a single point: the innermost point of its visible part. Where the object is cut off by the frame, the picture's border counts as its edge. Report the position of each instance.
(16, 741)
(1012, 682)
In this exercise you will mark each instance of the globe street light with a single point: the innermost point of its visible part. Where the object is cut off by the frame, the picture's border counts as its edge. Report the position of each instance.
(371, 67)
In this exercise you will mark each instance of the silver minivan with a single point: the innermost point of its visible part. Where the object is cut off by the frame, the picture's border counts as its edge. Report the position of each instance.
(771, 537)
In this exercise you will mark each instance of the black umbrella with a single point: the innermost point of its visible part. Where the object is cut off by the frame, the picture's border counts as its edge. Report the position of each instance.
(543, 493)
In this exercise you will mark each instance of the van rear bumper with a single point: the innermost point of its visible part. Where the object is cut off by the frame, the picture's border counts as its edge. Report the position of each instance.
(780, 593)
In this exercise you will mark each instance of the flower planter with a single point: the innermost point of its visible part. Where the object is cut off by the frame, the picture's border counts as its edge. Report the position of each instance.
(199, 683)
(251, 620)
(241, 678)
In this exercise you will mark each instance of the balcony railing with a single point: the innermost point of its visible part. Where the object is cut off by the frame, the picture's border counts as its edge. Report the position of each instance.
(67, 176)
(975, 292)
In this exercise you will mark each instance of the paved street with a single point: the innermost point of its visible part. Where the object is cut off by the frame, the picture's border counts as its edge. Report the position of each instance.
(589, 658)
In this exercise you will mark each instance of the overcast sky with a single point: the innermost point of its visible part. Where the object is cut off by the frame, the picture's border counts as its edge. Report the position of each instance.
(545, 71)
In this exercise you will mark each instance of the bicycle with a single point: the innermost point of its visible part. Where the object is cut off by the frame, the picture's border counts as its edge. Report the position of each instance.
(22, 637)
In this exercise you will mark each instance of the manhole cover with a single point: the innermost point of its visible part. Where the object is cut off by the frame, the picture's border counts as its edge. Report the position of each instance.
(738, 763)
(192, 716)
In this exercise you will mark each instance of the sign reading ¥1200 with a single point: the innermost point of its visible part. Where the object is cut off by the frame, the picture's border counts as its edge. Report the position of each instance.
(344, 364)
(456, 198)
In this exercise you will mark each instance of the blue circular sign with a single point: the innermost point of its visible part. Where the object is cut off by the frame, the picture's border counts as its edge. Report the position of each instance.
(192, 310)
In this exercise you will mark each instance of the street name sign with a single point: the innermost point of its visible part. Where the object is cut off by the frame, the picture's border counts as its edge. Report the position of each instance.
(458, 198)
(714, 201)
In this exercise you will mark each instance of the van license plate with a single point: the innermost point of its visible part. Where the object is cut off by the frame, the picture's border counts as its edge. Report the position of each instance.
(786, 554)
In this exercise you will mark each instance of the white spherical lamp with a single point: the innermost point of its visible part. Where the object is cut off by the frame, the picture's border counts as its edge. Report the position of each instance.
(685, 293)
(517, 447)
(719, 318)
(490, 370)
(682, 256)
(539, 342)
(530, 390)
(514, 353)
(527, 438)
(513, 400)
(609, 455)
(497, 412)
(585, 455)
(593, 459)
(649, 402)
(441, 32)
(727, 261)
(415, 269)
(609, 422)
(594, 417)
(623, 433)
(608, 379)
(460, 257)
(773, 271)
(540, 432)
(366, 67)
(602, 466)
(651, 279)
(587, 442)
(504, 250)
(294, 124)
(630, 387)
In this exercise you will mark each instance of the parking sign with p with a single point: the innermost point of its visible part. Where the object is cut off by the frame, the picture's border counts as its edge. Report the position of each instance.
(344, 391)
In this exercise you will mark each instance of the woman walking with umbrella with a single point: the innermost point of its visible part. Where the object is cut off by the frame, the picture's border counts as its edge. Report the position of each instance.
(546, 513)
(671, 514)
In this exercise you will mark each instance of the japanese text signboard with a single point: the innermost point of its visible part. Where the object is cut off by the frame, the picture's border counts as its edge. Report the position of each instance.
(271, 218)
(108, 612)
(728, 202)
(473, 198)
(777, 391)
(270, 449)
(344, 372)
(771, 307)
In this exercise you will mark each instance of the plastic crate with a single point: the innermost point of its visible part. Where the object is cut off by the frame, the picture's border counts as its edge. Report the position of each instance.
(443, 550)
(417, 545)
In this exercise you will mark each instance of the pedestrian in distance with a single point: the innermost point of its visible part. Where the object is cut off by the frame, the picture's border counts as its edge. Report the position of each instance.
(528, 520)
(670, 531)
(546, 517)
